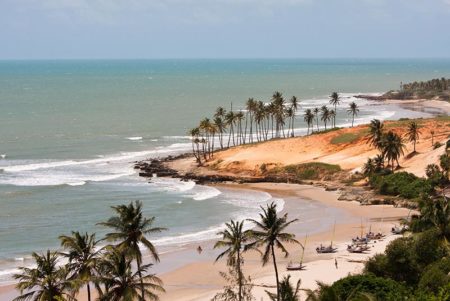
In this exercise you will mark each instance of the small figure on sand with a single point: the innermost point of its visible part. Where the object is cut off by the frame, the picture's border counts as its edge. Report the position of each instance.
(199, 250)
(335, 263)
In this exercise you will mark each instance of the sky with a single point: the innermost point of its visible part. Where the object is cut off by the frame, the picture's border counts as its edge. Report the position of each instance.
(103, 29)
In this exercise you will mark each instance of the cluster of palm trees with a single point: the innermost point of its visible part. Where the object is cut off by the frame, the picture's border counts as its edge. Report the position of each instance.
(115, 270)
(260, 122)
(437, 84)
(269, 234)
(390, 144)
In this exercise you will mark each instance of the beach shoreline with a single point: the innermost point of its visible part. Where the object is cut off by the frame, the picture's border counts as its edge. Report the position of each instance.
(204, 280)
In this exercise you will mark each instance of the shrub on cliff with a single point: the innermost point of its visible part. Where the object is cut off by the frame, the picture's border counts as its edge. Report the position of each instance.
(403, 184)
(380, 288)
(307, 171)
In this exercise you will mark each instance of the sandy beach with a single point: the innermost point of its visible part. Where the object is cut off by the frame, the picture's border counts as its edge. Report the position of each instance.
(203, 281)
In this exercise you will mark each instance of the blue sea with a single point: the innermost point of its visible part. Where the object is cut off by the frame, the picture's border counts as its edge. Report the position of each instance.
(70, 131)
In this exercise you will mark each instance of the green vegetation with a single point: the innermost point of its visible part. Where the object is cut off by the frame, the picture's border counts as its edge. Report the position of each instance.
(436, 88)
(403, 184)
(346, 138)
(110, 269)
(379, 287)
(307, 171)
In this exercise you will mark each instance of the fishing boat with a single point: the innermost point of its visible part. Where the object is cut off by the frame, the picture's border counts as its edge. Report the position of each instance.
(298, 266)
(328, 249)
(357, 248)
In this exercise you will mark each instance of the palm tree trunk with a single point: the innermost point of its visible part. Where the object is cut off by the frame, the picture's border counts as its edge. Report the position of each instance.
(353, 119)
(89, 292)
(142, 280)
(276, 272)
(240, 297)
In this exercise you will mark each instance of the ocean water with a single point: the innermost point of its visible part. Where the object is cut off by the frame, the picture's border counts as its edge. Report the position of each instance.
(71, 130)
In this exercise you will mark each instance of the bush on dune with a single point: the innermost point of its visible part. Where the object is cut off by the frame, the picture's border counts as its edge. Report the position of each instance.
(380, 288)
(403, 184)
(309, 171)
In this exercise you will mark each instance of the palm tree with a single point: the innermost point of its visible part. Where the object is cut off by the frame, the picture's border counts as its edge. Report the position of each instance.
(269, 233)
(376, 128)
(309, 118)
(335, 100)
(325, 115)
(250, 107)
(221, 128)
(413, 133)
(378, 162)
(316, 115)
(47, 281)
(233, 240)
(333, 117)
(353, 109)
(432, 137)
(392, 147)
(290, 115)
(287, 291)
(294, 106)
(230, 119)
(122, 284)
(82, 254)
(368, 167)
(195, 133)
(131, 227)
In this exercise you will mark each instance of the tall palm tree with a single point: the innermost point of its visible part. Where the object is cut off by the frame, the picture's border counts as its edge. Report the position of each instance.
(290, 116)
(130, 229)
(376, 129)
(392, 147)
(82, 253)
(335, 100)
(333, 117)
(250, 107)
(233, 240)
(413, 133)
(122, 284)
(230, 119)
(294, 106)
(309, 118)
(47, 281)
(221, 128)
(269, 233)
(316, 115)
(195, 133)
(353, 109)
(325, 115)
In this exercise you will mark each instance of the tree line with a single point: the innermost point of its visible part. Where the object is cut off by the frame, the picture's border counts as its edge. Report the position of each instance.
(116, 271)
(260, 122)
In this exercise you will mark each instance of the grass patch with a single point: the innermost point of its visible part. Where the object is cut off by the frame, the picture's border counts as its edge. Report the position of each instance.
(307, 171)
(325, 131)
(345, 138)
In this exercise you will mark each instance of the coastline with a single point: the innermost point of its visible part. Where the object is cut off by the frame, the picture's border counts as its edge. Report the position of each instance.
(204, 279)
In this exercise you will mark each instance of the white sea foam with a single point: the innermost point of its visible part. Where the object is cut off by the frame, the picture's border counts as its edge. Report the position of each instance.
(201, 193)
(134, 138)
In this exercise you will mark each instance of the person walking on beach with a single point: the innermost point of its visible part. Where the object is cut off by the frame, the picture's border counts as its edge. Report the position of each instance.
(199, 250)
(335, 263)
